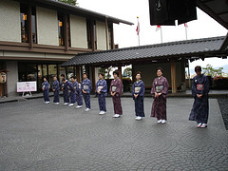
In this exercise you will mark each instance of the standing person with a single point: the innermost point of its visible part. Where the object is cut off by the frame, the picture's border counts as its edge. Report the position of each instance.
(45, 88)
(159, 90)
(101, 89)
(73, 87)
(86, 89)
(66, 91)
(200, 90)
(138, 90)
(79, 96)
(116, 89)
(55, 89)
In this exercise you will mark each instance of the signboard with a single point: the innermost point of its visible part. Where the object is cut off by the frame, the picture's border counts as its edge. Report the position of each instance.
(26, 86)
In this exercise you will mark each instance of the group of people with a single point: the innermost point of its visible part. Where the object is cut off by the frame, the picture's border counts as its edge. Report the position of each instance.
(73, 92)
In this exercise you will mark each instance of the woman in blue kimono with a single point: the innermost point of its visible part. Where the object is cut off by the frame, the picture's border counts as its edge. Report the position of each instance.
(138, 90)
(101, 89)
(79, 95)
(73, 88)
(55, 89)
(45, 88)
(86, 89)
(200, 90)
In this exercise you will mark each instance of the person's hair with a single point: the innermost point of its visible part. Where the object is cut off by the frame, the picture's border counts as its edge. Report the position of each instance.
(101, 74)
(198, 68)
(74, 77)
(159, 68)
(138, 73)
(116, 72)
(54, 76)
(45, 77)
(63, 79)
(62, 75)
(85, 74)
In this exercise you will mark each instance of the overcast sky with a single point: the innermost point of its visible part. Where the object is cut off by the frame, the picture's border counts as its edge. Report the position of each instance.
(126, 36)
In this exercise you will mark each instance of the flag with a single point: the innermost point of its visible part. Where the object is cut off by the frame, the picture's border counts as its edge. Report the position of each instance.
(138, 28)
(158, 27)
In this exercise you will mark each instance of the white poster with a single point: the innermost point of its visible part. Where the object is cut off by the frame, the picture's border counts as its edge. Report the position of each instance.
(26, 86)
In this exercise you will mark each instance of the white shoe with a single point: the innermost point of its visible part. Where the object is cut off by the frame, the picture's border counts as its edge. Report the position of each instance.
(116, 116)
(163, 121)
(159, 121)
(71, 104)
(56, 103)
(138, 118)
(78, 107)
(87, 109)
(47, 102)
(65, 104)
(102, 112)
(203, 125)
(199, 125)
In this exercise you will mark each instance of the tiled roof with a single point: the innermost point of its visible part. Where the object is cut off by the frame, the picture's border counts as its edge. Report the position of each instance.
(187, 48)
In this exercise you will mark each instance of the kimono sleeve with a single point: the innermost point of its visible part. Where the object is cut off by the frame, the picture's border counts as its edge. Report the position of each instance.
(153, 87)
(166, 87)
(194, 91)
(142, 90)
(206, 86)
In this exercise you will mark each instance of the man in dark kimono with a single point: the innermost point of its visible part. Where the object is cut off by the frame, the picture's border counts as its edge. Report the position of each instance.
(200, 90)
(159, 90)
(138, 90)
(79, 95)
(86, 90)
(55, 89)
(116, 89)
(66, 91)
(73, 88)
(45, 88)
(101, 89)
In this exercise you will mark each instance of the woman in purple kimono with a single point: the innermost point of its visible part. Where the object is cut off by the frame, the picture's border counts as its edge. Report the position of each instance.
(200, 90)
(159, 91)
(116, 90)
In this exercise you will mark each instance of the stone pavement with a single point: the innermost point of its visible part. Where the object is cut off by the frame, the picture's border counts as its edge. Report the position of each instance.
(39, 137)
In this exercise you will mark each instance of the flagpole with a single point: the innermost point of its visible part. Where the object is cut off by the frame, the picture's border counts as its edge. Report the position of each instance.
(186, 37)
(161, 35)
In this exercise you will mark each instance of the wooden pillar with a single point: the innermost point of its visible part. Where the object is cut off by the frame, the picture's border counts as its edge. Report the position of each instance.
(30, 26)
(93, 78)
(173, 77)
(120, 71)
(133, 72)
(78, 73)
(106, 32)
(66, 32)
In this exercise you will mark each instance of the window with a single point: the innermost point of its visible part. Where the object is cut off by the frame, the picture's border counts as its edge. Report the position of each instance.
(91, 34)
(24, 23)
(61, 29)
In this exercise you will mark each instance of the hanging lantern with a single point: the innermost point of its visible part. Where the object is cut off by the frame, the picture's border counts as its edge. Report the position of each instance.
(25, 17)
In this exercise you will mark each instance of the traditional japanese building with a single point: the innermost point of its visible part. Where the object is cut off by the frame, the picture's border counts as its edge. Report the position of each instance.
(37, 36)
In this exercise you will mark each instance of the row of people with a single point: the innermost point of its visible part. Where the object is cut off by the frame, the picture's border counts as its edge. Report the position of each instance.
(74, 91)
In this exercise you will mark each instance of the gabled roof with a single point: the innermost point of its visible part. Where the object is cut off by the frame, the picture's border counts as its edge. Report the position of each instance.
(217, 9)
(207, 47)
(75, 10)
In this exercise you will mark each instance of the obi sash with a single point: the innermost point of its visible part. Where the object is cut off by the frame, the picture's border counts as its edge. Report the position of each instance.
(85, 87)
(159, 88)
(114, 88)
(137, 89)
(200, 87)
(99, 88)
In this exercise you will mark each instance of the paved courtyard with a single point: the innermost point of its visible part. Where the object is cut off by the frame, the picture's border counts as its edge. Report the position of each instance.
(39, 137)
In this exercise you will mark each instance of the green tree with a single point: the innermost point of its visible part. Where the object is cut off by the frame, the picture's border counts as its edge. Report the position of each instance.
(106, 71)
(71, 2)
(210, 71)
(127, 72)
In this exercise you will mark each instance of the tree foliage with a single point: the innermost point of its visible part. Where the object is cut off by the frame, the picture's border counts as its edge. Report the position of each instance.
(106, 71)
(71, 2)
(127, 72)
(210, 71)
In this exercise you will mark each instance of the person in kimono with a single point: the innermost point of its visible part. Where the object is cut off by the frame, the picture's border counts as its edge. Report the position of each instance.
(200, 90)
(66, 91)
(116, 89)
(138, 90)
(45, 88)
(101, 90)
(86, 89)
(55, 89)
(73, 87)
(79, 95)
(159, 91)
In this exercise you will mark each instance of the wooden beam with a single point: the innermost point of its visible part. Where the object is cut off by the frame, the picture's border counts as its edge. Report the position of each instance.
(120, 71)
(106, 33)
(173, 77)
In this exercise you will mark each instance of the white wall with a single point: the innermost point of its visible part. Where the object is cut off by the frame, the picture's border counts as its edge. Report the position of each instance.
(47, 26)
(12, 77)
(101, 35)
(78, 32)
(10, 29)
